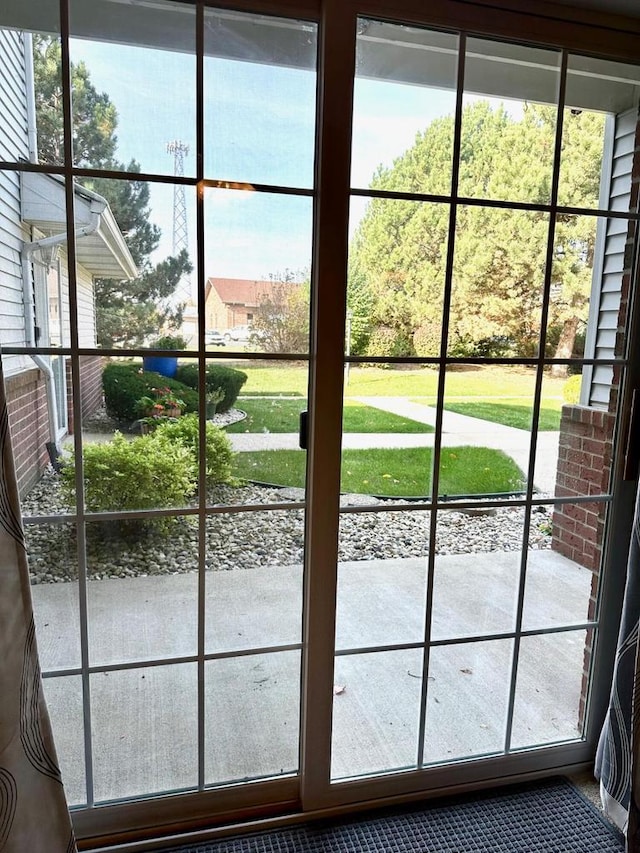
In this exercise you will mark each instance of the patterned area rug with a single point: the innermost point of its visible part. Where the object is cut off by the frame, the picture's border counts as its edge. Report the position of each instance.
(547, 817)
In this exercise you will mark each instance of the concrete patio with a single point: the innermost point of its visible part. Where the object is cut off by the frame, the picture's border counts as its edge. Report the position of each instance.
(145, 719)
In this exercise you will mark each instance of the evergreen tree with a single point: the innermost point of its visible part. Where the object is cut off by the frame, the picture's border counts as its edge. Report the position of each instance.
(127, 312)
(398, 254)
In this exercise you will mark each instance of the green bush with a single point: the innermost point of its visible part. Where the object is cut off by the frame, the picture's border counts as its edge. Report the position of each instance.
(185, 432)
(149, 472)
(218, 376)
(125, 383)
(571, 389)
(387, 343)
(173, 342)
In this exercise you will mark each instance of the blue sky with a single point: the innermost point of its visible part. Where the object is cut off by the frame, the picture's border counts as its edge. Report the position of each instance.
(259, 127)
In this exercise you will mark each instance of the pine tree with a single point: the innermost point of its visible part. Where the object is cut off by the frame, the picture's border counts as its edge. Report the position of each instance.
(127, 312)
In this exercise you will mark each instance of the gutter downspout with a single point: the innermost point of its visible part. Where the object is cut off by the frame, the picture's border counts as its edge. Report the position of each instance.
(27, 282)
(43, 364)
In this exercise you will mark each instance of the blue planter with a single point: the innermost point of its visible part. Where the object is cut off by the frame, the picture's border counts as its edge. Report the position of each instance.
(165, 365)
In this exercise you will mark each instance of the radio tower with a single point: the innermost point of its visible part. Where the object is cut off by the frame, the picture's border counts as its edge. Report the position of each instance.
(180, 234)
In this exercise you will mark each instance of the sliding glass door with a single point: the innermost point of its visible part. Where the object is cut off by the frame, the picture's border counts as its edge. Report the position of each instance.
(491, 226)
(382, 271)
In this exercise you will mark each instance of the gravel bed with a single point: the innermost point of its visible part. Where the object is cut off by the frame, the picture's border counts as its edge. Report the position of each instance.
(249, 539)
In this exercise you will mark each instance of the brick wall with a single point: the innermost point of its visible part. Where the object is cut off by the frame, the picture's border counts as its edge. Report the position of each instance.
(91, 395)
(28, 417)
(584, 468)
(29, 425)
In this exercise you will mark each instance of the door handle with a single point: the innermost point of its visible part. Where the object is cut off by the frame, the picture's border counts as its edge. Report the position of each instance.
(303, 430)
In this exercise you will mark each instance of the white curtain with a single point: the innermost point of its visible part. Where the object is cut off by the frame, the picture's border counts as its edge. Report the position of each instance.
(618, 756)
(33, 811)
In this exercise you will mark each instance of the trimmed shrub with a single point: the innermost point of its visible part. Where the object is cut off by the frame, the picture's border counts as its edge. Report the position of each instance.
(125, 383)
(185, 432)
(426, 340)
(228, 379)
(149, 472)
(388, 342)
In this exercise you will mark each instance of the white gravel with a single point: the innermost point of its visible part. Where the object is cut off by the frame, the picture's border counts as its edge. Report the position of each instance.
(244, 540)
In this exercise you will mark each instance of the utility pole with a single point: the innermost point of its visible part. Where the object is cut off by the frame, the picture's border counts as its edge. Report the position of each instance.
(180, 233)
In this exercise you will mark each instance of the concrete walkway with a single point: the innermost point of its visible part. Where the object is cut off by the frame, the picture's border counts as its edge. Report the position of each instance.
(145, 720)
(457, 430)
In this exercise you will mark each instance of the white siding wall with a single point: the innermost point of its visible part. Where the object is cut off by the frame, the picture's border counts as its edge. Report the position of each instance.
(604, 323)
(86, 310)
(13, 146)
(86, 306)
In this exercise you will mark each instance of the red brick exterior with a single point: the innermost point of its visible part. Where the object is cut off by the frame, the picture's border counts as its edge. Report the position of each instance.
(584, 468)
(91, 395)
(28, 416)
(29, 426)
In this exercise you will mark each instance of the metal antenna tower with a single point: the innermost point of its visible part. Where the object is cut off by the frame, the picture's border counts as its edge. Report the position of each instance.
(180, 234)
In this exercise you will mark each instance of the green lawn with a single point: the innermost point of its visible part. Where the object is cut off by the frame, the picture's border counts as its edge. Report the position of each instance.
(509, 413)
(393, 473)
(473, 381)
(282, 415)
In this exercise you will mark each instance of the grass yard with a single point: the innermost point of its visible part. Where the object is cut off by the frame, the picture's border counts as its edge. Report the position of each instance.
(510, 413)
(473, 381)
(393, 473)
(279, 414)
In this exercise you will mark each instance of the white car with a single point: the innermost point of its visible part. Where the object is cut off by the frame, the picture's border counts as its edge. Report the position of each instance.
(238, 333)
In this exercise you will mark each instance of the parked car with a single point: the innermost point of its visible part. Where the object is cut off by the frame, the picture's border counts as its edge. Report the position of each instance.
(238, 333)
(215, 338)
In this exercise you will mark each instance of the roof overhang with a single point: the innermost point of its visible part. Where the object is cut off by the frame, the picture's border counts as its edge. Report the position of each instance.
(412, 55)
(102, 252)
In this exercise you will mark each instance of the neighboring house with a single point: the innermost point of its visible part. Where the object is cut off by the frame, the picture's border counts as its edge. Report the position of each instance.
(34, 275)
(233, 302)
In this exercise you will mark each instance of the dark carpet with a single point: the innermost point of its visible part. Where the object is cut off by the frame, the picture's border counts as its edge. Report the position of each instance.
(546, 817)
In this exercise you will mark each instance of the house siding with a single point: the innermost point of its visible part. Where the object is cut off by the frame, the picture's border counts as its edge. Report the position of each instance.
(615, 241)
(14, 146)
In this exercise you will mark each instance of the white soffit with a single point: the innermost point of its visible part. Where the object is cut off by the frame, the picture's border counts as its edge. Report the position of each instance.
(104, 252)
(387, 51)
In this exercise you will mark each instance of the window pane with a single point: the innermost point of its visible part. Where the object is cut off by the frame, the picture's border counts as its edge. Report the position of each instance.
(498, 280)
(252, 716)
(575, 460)
(264, 426)
(404, 104)
(64, 704)
(477, 560)
(142, 592)
(260, 99)
(141, 265)
(486, 431)
(254, 580)
(53, 568)
(138, 70)
(563, 561)
(467, 700)
(382, 577)
(508, 121)
(376, 710)
(598, 134)
(549, 701)
(387, 442)
(397, 261)
(259, 260)
(130, 710)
